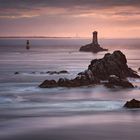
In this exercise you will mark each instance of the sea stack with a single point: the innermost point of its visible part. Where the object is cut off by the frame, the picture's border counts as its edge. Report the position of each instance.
(94, 46)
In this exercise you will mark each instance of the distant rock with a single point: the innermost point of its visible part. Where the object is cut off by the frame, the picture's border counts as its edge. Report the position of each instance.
(43, 72)
(57, 72)
(139, 69)
(33, 72)
(94, 46)
(112, 68)
(132, 104)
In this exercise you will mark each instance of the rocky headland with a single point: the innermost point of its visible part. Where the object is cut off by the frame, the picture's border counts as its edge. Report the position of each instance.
(112, 69)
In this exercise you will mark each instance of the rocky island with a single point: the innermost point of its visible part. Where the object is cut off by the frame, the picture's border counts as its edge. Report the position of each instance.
(94, 46)
(112, 68)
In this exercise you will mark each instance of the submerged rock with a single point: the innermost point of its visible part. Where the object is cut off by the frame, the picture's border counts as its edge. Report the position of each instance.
(132, 104)
(94, 46)
(112, 67)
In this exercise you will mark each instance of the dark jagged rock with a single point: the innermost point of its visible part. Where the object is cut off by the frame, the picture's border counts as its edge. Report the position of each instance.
(94, 46)
(116, 81)
(112, 64)
(100, 69)
(132, 104)
(80, 80)
(138, 69)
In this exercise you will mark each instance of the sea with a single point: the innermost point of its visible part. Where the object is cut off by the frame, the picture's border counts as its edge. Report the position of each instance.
(28, 112)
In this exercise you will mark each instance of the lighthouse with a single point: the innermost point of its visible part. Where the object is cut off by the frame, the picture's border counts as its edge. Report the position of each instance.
(95, 37)
(93, 46)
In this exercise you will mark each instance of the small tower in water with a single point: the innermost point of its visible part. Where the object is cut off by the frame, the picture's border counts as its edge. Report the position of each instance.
(93, 46)
(95, 37)
(27, 45)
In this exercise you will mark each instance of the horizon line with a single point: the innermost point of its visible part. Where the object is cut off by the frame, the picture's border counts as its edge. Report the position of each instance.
(65, 37)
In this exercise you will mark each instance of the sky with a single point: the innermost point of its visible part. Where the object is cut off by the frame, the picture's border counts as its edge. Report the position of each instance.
(111, 18)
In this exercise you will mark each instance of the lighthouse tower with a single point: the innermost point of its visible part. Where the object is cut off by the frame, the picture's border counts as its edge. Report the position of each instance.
(95, 38)
(93, 46)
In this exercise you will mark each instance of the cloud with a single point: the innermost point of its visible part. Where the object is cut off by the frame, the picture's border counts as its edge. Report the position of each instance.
(67, 17)
(67, 3)
(17, 8)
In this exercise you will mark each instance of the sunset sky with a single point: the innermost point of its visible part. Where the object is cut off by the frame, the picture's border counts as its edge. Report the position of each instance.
(112, 18)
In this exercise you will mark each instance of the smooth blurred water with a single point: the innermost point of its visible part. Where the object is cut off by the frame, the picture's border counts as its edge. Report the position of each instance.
(22, 102)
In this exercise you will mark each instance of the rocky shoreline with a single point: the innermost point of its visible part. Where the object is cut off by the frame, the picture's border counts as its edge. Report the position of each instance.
(112, 68)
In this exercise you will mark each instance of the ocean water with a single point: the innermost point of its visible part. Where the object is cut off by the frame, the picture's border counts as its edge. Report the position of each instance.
(82, 113)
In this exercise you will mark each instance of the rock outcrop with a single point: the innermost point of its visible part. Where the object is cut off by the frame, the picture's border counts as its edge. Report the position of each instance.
(94, 46)
(132, 104)
(100, 69)
(80, 80)
(112, 64)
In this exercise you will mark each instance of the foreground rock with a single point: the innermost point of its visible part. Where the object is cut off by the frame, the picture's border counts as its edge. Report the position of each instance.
(112, 68)
(94, 46)
(112, 64)
(132, 104)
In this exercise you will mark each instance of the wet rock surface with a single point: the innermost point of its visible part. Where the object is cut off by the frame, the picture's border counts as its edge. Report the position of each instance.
(132, 104)
(112, 67)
